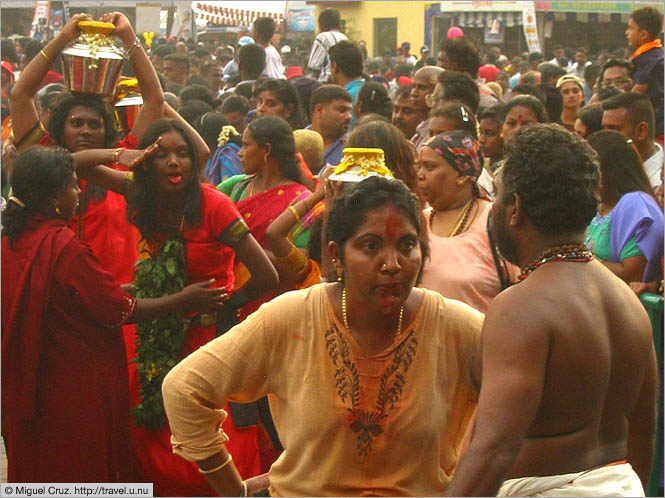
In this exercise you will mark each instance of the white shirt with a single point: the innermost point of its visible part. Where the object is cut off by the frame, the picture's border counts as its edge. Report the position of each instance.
(652, 166)
(318, 57)
(274, 67)
(575, 69)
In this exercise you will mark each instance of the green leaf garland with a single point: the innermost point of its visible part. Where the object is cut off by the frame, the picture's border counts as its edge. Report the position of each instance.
(159, 342)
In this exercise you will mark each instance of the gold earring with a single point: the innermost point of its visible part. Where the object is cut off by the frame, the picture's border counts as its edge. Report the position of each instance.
(57, 210)
(340, 274)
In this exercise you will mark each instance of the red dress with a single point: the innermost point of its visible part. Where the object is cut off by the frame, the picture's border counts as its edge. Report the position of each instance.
(207, 257)
(64, 372)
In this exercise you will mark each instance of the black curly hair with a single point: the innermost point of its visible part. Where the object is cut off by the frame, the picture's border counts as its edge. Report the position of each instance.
(39, 174)
(142, 202)
(556, 175)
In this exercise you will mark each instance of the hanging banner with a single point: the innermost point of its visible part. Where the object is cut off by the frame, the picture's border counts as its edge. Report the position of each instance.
(530, 28)
(183, 22)
(40, 20)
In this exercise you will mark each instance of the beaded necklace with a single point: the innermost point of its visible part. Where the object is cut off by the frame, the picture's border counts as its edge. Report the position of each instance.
(346, 321)
(576, 253)
(460, 222)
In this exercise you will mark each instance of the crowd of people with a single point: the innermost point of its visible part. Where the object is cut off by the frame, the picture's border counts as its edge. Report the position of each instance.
(326, 274)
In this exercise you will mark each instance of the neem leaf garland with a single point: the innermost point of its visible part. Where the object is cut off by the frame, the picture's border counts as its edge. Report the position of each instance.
(159, 342)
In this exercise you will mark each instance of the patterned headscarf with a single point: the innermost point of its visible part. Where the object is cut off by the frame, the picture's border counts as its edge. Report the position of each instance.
(460, 150)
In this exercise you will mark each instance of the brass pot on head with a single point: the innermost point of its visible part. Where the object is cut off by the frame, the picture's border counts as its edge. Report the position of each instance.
(92, 64)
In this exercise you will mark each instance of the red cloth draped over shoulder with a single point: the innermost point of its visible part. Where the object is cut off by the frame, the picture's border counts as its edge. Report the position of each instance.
(64, 373)
(104, 226)
(23, 305)
(259, 211)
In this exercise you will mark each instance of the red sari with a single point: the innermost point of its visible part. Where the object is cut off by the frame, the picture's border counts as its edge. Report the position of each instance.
(207, 257)
(259, 211)
(64, 373)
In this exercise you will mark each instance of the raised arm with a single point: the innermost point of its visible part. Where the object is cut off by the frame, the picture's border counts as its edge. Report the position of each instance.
(278, 231)
(514, 357)
(90, 165)
(22, 97)
(201, 146)
(151, 91)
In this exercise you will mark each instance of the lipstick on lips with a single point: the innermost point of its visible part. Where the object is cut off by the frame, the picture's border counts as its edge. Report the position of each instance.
(175, 179)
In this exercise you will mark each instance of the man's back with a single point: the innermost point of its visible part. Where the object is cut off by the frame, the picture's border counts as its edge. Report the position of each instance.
(319, 62)
(591, 341)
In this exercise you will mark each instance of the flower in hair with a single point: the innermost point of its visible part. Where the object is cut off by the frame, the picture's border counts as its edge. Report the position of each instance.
(227, 132)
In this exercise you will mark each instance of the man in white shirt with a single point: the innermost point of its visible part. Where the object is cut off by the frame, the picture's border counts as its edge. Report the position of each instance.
(631, 113)
(264, 29)
(318, 65)
(577, 68)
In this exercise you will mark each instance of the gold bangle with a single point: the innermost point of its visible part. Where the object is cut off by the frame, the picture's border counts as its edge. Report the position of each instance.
(46, 56)
(220, 467)
(244, 489)
(116, 154)
(295, 213)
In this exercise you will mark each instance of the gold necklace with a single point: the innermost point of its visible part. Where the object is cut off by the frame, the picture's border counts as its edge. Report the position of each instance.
(346, 320)
(461, 220)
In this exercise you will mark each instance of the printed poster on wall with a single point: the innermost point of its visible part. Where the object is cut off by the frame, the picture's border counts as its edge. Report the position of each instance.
(530, 28)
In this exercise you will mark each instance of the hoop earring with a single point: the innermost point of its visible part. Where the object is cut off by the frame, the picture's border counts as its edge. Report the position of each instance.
(340, 274)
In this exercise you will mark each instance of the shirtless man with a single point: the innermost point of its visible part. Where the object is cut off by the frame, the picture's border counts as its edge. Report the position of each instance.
(569, 373)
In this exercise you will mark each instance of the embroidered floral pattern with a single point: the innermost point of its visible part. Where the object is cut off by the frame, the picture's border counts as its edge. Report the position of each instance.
(368, 424)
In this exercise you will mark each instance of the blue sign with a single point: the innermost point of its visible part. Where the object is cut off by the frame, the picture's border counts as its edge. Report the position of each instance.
(301, 19)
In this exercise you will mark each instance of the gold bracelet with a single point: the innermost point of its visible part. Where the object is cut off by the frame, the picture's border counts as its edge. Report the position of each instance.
(295, 212)
(116, 154)
(220, 467)
(244, 489)
(46, 56)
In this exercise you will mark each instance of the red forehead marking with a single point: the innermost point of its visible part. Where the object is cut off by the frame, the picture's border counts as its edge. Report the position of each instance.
(391, 224)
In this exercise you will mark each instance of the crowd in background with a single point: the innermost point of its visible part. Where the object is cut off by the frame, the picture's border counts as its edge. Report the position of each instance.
(229, 153)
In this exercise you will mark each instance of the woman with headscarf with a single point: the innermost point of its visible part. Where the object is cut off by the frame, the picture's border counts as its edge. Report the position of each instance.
(463, 262)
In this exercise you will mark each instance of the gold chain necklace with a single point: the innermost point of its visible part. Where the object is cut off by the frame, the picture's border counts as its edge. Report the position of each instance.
(346, 320)
(461, 220)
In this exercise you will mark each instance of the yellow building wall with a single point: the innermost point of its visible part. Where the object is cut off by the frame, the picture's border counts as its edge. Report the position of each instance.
(359, 17)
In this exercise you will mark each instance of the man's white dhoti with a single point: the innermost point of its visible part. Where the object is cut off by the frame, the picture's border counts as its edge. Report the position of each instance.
(610, 480)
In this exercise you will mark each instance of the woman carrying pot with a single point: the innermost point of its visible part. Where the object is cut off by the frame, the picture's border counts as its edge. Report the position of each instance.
(84, 121)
